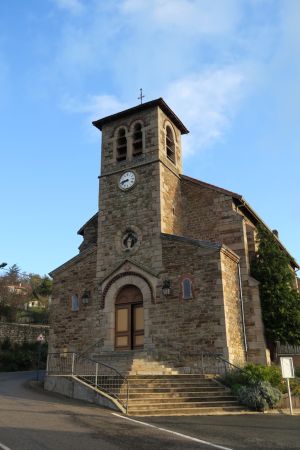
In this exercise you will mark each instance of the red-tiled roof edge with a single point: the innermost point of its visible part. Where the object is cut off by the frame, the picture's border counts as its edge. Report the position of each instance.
(157, 102)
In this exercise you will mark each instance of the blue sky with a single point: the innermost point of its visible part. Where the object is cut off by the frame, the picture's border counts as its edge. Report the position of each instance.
(230, 69)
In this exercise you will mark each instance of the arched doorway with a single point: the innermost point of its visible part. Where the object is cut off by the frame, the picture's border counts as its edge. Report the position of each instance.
(129, 324)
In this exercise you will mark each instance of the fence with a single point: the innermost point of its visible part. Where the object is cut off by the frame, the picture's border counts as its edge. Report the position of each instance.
(95, 374)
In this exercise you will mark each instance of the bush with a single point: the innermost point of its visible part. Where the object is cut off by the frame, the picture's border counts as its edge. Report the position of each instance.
(251, 397)
(253, 373)
(259, 396)
(21, 356)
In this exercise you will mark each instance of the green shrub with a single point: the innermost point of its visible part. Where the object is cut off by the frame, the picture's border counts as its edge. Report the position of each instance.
(251, 397)
(259, 395)
(271, 394)
(294, 386)
(6, 344)
(297, 372)
(253, 373)
(21, 356)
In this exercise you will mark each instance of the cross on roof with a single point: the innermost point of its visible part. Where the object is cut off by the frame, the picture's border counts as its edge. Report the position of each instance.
(141, 95)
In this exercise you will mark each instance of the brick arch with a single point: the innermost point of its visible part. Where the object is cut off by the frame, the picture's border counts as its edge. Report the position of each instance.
(121, 276)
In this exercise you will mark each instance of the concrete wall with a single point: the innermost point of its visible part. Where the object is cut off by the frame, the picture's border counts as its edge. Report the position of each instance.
(71, 388)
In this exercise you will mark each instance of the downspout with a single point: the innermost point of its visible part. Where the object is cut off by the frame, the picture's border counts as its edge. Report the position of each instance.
(242, 308)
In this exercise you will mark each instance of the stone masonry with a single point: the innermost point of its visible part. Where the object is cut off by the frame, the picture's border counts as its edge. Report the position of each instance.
(166, 230)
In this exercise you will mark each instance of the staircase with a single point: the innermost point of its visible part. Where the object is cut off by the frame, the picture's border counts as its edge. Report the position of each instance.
(133, 363)
(149, 388)
(177, 395)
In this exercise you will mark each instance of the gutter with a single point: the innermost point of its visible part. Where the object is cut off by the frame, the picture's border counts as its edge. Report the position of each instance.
(242, 308)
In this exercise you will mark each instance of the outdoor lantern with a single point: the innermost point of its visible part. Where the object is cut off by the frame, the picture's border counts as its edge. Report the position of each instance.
(85, 297)
(166, 287)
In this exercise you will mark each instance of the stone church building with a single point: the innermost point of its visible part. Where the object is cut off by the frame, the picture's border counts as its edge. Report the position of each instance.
(163, 271)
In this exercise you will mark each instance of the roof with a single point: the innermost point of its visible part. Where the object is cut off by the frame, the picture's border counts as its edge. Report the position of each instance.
(73, 260)
(211, 186)
(94, 218)
(247, 210)
(188, 240)
(158, 102)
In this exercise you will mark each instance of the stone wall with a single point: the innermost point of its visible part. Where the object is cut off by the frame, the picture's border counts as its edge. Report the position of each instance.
(74, 330)
(232, 307)
(19, 333)
(137, 210)
(210, 214)
(181, 329)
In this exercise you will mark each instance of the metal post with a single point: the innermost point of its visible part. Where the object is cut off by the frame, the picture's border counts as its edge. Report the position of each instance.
(290, 398)
(73, 363)
(38, 361)
(96, 375)
(127, 397)
(47, 364)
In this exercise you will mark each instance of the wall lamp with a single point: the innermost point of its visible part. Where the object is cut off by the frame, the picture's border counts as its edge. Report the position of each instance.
(86, 297)
(166, 287)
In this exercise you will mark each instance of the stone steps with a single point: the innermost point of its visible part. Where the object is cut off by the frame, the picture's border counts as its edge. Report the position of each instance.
(156, 390)
(181, 400)
(171, 394)
(203, 411)
(133, 363)
(177, 395)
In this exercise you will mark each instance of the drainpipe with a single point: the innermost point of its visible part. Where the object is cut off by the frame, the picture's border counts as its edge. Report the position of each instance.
(242, 307)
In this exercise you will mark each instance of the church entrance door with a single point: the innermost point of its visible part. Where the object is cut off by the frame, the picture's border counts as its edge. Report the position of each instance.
(129, 329)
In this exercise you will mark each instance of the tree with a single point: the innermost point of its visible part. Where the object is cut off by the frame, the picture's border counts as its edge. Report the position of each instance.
(13, 275)
(17, 290)
(280, 300)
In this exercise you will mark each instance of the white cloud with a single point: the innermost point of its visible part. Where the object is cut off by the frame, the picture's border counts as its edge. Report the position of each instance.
(208, 102)
(98, 105)
(93, 107)
(72, 6)
(194, 17)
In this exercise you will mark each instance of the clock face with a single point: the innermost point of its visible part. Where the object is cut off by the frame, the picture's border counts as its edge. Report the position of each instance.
(127, 180)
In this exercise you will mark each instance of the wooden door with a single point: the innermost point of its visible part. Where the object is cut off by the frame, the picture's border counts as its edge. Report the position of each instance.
(123, 327)
(129, 324)
(137, 326)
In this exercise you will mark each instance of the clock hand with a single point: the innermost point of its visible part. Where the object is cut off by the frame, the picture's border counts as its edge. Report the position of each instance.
(124, 181)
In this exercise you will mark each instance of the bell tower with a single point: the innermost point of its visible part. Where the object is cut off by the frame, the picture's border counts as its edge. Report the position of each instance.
(139, 193)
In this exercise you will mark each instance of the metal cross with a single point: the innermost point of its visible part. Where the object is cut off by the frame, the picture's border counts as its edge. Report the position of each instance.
(141, 95)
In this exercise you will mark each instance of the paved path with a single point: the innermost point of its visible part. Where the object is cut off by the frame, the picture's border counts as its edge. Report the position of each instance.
(34, 420)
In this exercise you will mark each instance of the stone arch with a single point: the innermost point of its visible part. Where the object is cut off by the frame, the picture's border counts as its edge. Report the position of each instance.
(108, 300)
(118, 281)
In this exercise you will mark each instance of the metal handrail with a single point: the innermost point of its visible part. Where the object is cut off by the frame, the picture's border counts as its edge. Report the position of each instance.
(94, 373)
(87, 350)
(227, 365)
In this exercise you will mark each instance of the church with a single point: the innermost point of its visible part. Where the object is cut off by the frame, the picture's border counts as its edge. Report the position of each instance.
(163, 270)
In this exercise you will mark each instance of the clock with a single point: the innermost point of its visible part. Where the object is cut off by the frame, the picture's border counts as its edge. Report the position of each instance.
(127, 181)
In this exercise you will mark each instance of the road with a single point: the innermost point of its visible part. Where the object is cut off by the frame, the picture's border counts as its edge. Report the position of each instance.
(32, 420)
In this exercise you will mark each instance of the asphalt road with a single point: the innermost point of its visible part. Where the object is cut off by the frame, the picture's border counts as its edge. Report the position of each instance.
(32, 420)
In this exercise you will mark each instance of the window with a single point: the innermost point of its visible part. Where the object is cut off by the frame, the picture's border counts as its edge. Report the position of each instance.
(187, 292)
(137, 140)
(75, 303)
(170, 144)
(121, 145)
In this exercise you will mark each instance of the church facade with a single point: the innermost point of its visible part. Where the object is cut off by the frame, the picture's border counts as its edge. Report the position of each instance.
(163, 271)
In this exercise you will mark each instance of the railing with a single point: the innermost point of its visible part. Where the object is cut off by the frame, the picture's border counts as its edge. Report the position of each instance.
(96, 374)
(214, 363)
(286, 349)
